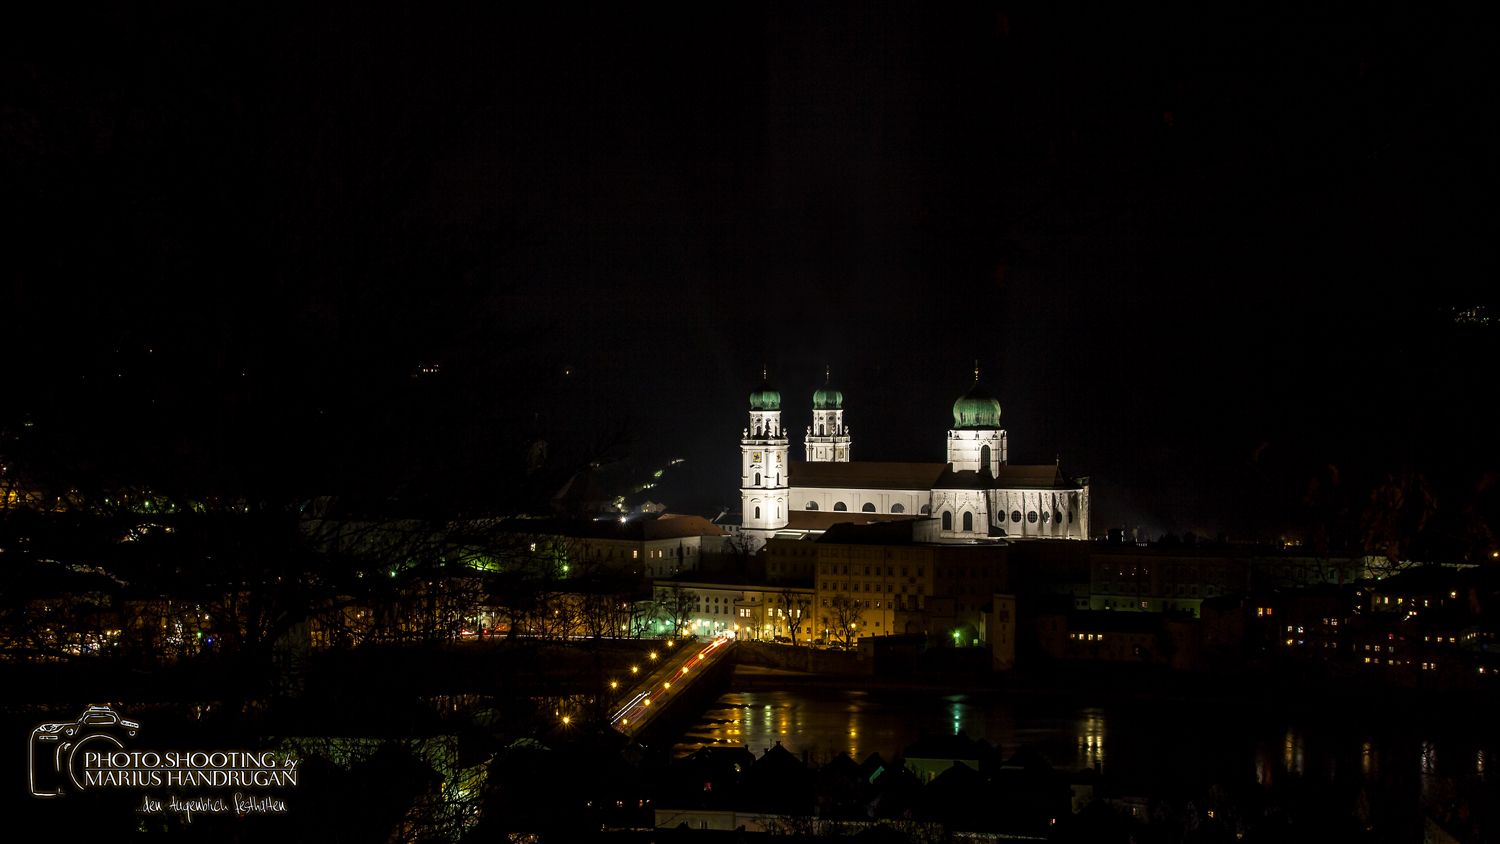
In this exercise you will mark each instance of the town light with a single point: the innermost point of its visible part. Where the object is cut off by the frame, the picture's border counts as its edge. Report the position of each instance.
(565, 719)
(653, 656)
(633, 669)
(614, 684)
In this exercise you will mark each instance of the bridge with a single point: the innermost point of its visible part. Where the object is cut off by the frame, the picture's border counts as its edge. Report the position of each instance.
(675, 671)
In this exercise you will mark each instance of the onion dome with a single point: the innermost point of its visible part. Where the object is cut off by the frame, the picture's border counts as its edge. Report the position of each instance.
(976, 409)
(765, 397)
(827, 398)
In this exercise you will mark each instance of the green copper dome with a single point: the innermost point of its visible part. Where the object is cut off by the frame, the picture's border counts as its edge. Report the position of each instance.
(765, 397)
(827, 398)
(977, 409)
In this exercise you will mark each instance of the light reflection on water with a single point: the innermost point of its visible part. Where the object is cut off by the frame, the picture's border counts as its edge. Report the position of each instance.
(859, 724)
(1293, 760)
(1154, 741)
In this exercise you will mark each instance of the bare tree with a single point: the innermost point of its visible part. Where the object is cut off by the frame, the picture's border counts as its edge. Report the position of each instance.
(844, 615)
(676, 605)
(794, 606)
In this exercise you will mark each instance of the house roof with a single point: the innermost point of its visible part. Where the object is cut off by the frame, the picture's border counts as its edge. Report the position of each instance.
(674, 526)
(959, 779)
(883, 533)
(864, 475)
(779, 760)
(1422, 580)
(842, 767)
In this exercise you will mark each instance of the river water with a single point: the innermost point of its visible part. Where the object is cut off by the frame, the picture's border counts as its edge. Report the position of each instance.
(1154, 744)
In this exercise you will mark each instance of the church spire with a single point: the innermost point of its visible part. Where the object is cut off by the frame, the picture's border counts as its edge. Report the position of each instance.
(763, 466)
(828, 436)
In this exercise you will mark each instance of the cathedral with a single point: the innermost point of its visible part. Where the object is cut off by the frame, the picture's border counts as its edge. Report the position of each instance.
(977, 496)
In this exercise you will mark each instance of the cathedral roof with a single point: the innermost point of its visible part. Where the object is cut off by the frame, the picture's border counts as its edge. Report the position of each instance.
(1006, 477)
(864, 475)
(976, 409)
(765, 397)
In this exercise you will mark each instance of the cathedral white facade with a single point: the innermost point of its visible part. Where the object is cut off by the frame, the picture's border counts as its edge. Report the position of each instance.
(976, 496)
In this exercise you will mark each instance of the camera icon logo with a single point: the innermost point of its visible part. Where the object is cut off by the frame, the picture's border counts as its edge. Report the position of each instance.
(53, 747)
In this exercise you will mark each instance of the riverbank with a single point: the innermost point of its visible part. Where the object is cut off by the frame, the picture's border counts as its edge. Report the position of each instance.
(1104, 683)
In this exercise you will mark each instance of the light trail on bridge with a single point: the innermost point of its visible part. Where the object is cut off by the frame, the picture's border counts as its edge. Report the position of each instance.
(659, 685)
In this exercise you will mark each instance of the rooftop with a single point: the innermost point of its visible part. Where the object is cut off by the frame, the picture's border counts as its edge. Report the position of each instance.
(1006, 477)
(864, 475)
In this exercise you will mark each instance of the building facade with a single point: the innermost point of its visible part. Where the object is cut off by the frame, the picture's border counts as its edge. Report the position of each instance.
(976, 496)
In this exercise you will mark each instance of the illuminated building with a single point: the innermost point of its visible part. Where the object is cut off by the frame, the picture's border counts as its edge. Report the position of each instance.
(977, 496)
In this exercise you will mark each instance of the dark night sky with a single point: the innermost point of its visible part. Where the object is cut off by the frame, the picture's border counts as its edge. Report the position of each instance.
(1199, 255)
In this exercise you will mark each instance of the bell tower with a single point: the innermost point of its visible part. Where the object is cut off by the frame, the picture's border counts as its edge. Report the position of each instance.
(763, 468)
(977, 443)
(827, 438)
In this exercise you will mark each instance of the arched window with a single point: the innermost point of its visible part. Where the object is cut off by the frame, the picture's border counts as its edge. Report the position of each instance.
(927, 509)
(968, 521)
(840, 506)
(757, 479)
(947, 520)
(898, 508)
(820, 430)
(812, 505)
(757, 512)
(868, 508)
(984, 457)
(757, 430)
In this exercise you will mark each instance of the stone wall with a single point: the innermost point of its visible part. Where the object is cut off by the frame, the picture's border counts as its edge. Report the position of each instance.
(801, 658)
